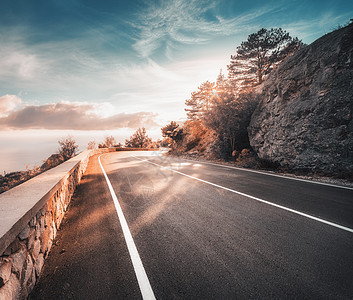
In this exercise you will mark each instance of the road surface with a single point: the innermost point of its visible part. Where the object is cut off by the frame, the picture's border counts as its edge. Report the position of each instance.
(197, 230)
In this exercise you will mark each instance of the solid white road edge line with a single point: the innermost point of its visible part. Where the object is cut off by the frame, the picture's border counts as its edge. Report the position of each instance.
(270, 174)
(144, 283)
(255, 198)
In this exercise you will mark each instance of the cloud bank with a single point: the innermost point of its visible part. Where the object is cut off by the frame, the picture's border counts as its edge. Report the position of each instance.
(67, 116)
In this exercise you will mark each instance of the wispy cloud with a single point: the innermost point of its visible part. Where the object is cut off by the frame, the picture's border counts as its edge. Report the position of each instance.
(8, 103)
(168, 24)
(68, 116)
(15, 63)
(308, 30)
(95, 63)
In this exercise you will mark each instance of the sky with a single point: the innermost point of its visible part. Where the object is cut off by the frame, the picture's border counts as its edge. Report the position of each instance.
(94, 68)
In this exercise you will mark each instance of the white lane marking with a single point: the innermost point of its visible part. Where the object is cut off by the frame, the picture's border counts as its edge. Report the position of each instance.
(255, 198)
(142, 279)
(270, 174)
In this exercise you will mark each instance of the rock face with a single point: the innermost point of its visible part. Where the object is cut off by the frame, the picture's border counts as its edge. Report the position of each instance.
(304, 120)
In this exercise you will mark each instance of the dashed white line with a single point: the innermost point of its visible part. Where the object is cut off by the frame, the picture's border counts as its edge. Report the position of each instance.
(142, 279)
(254, 198)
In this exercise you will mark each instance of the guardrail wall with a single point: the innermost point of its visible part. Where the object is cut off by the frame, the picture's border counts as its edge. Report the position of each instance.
(30, 215)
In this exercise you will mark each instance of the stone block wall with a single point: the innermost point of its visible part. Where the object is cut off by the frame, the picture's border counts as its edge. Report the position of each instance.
(22, 261)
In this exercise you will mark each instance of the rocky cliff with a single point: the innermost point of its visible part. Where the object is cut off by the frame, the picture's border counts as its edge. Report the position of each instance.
(304, 120)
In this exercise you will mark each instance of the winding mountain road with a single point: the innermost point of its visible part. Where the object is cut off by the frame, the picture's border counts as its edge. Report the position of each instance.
(146, 225)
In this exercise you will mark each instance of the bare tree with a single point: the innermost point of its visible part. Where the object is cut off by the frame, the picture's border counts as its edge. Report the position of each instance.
(67, 147)
(91, 145)
(109, 141)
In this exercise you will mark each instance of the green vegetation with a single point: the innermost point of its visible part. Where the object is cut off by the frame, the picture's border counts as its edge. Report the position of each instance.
(259, 54)
(172, 132)
(218, 113)
(139, 139)
(109, 141)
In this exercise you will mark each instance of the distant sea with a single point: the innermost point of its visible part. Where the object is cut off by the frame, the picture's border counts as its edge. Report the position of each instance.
(30, 148)
(27, 149)
(20, 149)
(13, 159)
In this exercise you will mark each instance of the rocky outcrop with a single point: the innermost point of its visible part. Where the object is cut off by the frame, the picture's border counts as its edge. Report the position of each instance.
(52, 161)
(304, 120)
(13, 179)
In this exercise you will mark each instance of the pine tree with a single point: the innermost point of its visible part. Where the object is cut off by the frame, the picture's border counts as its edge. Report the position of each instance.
(200, 101)
(259, 54)
(139, 139)
(167, 131)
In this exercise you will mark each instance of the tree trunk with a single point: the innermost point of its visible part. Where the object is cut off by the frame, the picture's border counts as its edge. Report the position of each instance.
(259, 78)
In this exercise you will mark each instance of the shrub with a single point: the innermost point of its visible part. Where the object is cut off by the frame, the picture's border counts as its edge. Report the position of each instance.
(67, 147)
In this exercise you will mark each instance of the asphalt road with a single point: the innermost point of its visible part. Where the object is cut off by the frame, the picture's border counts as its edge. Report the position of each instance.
(202, 231)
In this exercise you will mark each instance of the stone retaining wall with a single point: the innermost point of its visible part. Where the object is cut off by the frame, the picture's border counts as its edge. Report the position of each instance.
(30, 215)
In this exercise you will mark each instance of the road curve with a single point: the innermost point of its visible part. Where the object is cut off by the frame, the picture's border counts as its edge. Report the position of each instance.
(200, 233)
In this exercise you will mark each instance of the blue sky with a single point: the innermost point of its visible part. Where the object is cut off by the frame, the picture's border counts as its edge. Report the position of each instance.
(100, 65)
